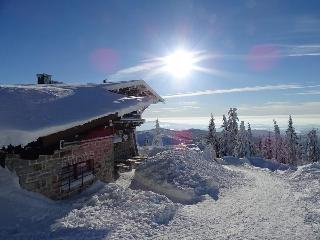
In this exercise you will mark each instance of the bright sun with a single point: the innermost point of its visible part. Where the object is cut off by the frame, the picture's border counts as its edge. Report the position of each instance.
(179, 64)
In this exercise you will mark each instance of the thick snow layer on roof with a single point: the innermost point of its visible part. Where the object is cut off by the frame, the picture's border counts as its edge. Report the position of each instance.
(128, 84)
(30, 111)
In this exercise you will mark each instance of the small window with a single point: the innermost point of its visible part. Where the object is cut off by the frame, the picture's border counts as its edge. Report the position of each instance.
(76, 175)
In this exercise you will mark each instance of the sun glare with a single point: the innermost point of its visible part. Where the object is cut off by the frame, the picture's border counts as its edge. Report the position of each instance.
(179, 64)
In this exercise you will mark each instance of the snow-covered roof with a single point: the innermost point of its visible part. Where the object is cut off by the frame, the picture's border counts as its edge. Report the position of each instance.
(132, 83)
(31, 111)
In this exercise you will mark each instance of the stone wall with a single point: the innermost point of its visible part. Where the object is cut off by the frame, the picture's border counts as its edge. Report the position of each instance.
(41, 175)
(44, 174)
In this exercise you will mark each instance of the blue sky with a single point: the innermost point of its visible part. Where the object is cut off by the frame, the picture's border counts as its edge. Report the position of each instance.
(262, 57)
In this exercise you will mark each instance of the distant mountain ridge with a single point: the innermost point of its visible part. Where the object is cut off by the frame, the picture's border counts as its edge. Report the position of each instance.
(189, 136)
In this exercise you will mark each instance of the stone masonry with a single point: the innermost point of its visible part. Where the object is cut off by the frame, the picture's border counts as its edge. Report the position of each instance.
(43, 175)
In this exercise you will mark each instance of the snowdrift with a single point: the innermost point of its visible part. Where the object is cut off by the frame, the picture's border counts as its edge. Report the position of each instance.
(269, 164)
(307, 181)
(183, 175)
(308, 171)
(22, 211)
(229, 160)
(150, 151)
(120, 212)
(103, 210)
(256, 162)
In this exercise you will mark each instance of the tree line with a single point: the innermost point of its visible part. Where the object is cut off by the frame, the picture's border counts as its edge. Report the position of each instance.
(237, 140)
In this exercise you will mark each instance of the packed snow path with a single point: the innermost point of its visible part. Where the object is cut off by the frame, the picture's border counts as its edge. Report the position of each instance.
(265, 207)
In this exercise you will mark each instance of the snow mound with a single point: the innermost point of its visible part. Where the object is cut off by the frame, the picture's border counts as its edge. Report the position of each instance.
(269, 164)
(307, 181)
(114, 209)
(23, 212)
(183, 175)
(308, 171)
(230, 160)
(150, 151)
(103, 210)
(256, 162)
(208, 153)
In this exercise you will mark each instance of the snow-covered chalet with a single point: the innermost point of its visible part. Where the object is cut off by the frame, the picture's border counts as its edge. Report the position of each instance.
(61, 138)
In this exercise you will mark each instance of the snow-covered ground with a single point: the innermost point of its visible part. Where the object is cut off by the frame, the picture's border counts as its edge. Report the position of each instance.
(264, 207)
(260, 204)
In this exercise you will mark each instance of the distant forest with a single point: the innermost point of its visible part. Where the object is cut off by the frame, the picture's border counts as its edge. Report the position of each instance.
(237, 140)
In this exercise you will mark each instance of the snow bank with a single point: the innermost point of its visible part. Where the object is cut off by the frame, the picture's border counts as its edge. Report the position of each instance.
(150, 151)
(22, 211)
(308, 171)
(103, 210)
(119, 212)
(307, 181)
(256, 162)
(229, 160)
(269, 164)
(183, 175)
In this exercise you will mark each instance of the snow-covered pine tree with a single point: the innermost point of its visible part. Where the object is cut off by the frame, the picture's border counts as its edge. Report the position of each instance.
(277, 143)
(259, 147)
(267, 147)
(212, 138)
(157, 139)
(252, 149)
(145, 141)
(232, 127)
(301, 151)
(313, 151)
(242, 148)
(224, 138)
(291, 143)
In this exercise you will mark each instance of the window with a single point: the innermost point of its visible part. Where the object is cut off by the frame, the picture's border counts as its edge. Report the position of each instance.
(76, 175)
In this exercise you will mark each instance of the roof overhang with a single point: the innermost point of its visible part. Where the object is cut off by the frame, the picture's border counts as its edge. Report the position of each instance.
(134, 83)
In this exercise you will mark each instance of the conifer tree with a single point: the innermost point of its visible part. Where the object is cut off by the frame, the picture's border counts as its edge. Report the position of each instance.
(313, 151)
(291, 143)
(259, 147)
(224, 139)
(212, 138)
(157, 139)
(267, 147)
(242, 147)
(277, 143)
(252, 150)
(145, 141)
(301, 151)
(232, 127)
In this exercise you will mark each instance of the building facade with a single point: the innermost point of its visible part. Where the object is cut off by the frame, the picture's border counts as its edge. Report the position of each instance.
(63, 163)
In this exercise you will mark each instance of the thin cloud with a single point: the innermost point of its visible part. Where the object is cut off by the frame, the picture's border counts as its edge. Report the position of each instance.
(139, 68)
(300, 50)
(309, 93)
(180, 108)
(281, 108)
(155, 66)
(277, 51)
(237, 90)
